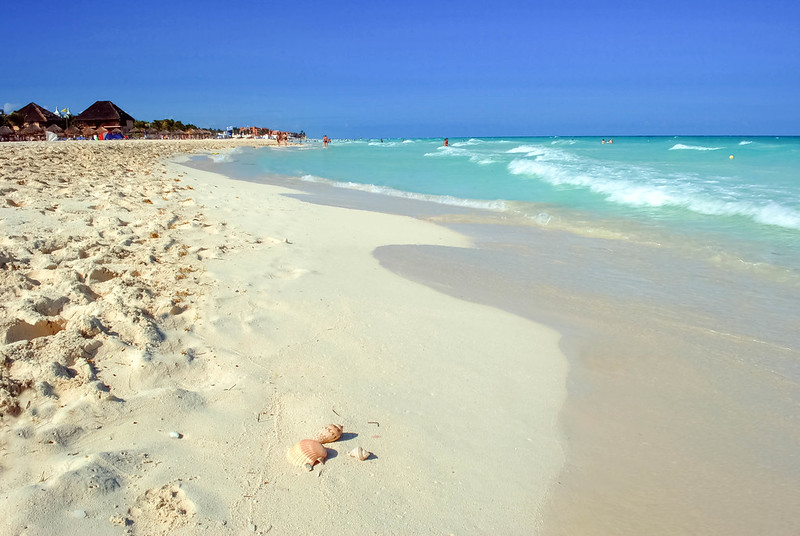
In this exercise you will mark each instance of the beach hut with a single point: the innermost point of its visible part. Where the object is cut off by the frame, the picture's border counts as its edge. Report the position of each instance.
(6, 133)
(72, 132)
(54, 132)
(33, 114)
(107, 115)
(32, 132)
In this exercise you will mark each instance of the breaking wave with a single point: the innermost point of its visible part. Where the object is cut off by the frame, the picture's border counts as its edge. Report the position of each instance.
(640, 187)
(680, 146)
(497, 205)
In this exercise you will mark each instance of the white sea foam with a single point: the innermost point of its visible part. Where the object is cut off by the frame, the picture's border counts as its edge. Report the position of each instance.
(471, 141)
(479, 158)
(218, 158)
(707, 197)
(530, 150)
(497, 205)
(449, 151)
(680, 146)
(745, 142)
(382, 144)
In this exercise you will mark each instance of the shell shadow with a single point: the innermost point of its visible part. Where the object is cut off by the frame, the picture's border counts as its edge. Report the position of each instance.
(332, 453)
(346, 436)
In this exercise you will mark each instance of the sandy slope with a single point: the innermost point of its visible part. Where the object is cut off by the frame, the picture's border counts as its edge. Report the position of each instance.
(168, 333)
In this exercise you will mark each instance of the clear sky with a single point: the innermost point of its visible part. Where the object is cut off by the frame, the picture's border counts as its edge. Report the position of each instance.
(412, 68)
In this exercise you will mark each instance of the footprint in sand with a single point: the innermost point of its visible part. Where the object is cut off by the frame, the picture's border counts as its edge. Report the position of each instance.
(159, 510)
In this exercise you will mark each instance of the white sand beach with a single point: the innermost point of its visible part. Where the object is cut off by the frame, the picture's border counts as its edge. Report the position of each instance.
(169, 333)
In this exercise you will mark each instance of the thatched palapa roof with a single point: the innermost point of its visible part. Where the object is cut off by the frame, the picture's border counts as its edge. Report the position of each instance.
(31, 130)
(104, 111)
(33, 113)
(55, 129)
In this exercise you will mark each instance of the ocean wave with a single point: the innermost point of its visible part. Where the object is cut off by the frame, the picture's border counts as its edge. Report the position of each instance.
(745, 142)
(382, 144)
(471, 141)
(649, 191)
(482, 159)
(680, 146)
(449, 151)
(496, 205)
(542, 153)
(530, 150)
(219, 158)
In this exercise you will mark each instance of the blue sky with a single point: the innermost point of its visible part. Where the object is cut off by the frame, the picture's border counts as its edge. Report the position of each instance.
(409, 68)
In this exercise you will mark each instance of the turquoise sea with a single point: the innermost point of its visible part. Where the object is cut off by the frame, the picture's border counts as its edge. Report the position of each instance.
(671, 265)
(687, 189)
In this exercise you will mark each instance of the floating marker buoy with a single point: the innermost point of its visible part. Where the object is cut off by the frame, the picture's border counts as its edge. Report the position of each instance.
(731, 157)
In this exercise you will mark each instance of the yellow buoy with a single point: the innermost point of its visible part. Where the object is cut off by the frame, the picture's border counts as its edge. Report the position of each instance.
(731, 157)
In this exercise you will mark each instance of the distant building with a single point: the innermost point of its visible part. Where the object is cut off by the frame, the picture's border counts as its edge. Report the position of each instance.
(106, 114)
(33, 114)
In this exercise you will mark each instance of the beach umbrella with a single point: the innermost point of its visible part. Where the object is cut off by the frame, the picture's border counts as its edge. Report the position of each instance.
(31, 130)
(55, 129)
(73, 132)
(88, 132)
(6, 131)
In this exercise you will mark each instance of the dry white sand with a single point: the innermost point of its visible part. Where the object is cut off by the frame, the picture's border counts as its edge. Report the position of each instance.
(169, 333)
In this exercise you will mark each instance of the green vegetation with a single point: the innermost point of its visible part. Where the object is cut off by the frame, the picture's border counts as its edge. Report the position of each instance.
(163, 124)
(14, 119)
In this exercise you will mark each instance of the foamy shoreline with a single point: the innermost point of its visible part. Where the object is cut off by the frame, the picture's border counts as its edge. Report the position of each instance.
(169, 333)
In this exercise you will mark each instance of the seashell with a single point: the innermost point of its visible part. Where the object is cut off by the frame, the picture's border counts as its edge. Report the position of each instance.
(307, 453)
(329, 433)
(360, 454)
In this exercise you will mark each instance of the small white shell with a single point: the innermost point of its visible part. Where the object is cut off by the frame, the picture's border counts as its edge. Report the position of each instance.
(307, 453)
(360, 454)
(329, 433)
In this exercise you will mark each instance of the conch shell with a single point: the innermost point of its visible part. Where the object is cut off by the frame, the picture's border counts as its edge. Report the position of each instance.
(329, 433)
(307, 453)
(360, 454)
